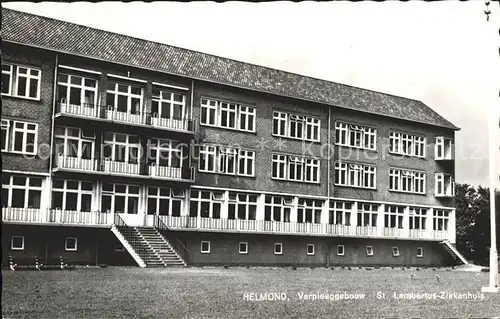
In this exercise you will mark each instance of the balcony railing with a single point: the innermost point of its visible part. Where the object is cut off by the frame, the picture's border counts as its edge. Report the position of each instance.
(110, 113)
(55, 216)
(63, 162)
(366, 230)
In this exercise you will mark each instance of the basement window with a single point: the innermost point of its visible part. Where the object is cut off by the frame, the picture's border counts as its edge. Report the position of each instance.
(369, 251)
(395, 251)
(278, 248)
(310, 250)
(205, 247)
(340, 250)
(70, 244)
(243, 248)
(420, 252)
(17, 243)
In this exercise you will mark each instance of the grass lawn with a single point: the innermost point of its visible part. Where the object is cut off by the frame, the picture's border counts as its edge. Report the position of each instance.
(219, 293)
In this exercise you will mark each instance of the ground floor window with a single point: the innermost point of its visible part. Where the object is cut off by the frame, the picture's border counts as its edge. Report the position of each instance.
(164, 201)
(278, 248)
(72, 195)
(70, 244)
(205, 247)
(120, 198)
(369, 251)
(21, 191)
(420, 252)
(395, 251)
(206, 204)
(277, 208)
(340, 250)
(310, 249)
(242, 206)
(17, 243)
(243, 248)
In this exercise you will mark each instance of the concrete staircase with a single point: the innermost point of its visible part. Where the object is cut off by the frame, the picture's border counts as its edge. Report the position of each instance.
(161, 247)
(450, 248)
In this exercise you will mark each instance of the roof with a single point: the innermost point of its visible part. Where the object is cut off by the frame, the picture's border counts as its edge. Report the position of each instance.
(47, 33)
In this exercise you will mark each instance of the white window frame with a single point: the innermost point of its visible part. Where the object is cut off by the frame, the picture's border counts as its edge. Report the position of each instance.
(243, 252)
(79, 191)
(10, 73)
(420, 252)
(6, 133)
(407, 181)
(82, 87)
(343, 250)
(113, 194)
(441, 220)
(369, 250)
(280, 204)
(66, 137)
(158, 196)
(221, 155)
(15, 75)
(25, 131)
(367, 212)
(313, 206)
(305, 169)
(113, 142)
(307, 128)
(27, 188)
(166, 96)
(443, 148)
(12, 247)
(444, 185)
(418, 218)
(280, 245)
(395, 251)
(340, 213)
(355, 175)
(216, 108)
(312, 172)
(396, 212)
(355, 136)
(129, 95)
(246, 157)
(216, 199)
(407, 144)
(206, 251)
(313, 250)
(66, 248)
(162, 146)
(242, 200)
(227, 160)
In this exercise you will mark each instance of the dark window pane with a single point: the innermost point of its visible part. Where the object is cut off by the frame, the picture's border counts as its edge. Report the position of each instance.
(21, 86)
(33, 88)
(71, 201)
(18, 196)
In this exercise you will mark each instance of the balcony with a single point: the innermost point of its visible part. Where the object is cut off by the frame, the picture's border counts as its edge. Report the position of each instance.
(366, 230)
(338, 229)
(111, 114)
(393, 232)
(55, 216)
(118, 168)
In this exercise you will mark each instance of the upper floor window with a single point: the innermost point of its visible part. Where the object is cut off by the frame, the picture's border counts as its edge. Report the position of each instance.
(355, 175)
(393, 217)
(168, 105)
(121, 147)
(124, 98)
(355, 136)
(21, 81)
(418, 218)
(74, 142)
(440, 219)
(219, 159)
(76, 90)
(296, 126)
(367, 215)
(443, 148)
(227, 115)
(406, 181)
(295, 168)
(19, 137)
(164, 152)
(444, 185)
(407, 144)
(21, 191)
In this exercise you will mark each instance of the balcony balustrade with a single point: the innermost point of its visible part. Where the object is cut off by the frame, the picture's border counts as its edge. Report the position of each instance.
(55, 216)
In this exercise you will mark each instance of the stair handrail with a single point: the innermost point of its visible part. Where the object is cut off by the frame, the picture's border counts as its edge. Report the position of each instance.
(162, 227)
(132, 240)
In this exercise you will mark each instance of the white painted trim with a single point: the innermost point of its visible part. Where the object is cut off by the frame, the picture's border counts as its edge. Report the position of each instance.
(25, 173)
(343, 250)
(239, 248)
(66, 244)
(313, 250)
(171, 86)
(79, 69)
(126, 78)
(201, 247)
(422, 254)
(281, 248)
(12, 243)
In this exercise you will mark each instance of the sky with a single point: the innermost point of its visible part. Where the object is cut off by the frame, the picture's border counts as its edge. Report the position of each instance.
(444, 53)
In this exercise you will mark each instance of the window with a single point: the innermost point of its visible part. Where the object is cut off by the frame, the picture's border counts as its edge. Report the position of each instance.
(355, 175)
(309, 211)
(227, 115)
(443, 148)
(243, 248)
(242, 206)
(120, 198)
(278, 248)
(420, 252)
(310, 250)
(340, 213)
(161, 201)
(17, 243)
(76, 90)
(218, 159)
(72, 195)
(393, 217)
(19, 137)
(367, 215)
(277, 208)
(168, 105)
(444, 185)
(441, 220)
(206, 204)
(70, 244)
(21, 191)
(74, 142)
(163, 152)
(296, 126)
(407, 144)
(205, 247)
(21, 81)
(418, 218)
(295, 168)
(355, 136)
(340, 250)
(395, 251)
(124, 98)
(121, 147)
(369, 251)
(406, 181)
